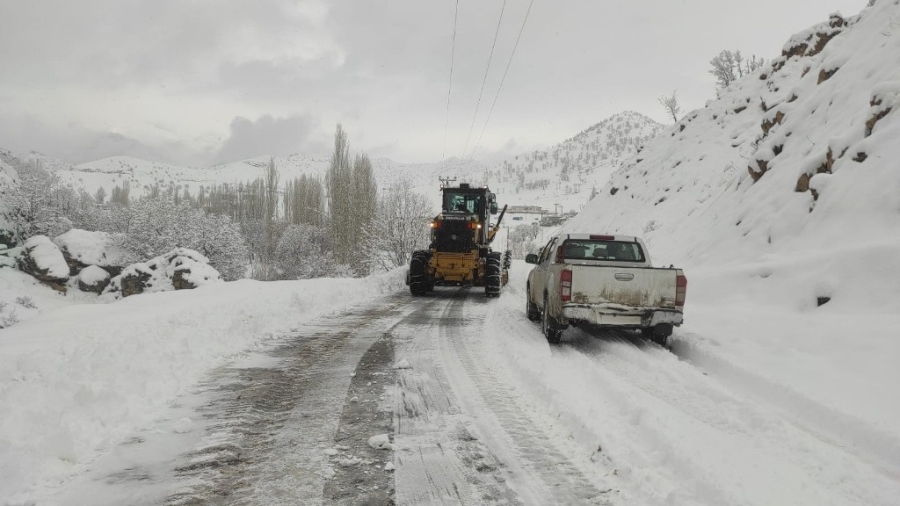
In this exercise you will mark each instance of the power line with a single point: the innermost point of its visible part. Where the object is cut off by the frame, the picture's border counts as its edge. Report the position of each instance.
(502, 80)
(450, 84)
(484, 81)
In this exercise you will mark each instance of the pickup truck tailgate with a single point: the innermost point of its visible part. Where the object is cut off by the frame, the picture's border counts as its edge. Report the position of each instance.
(629, 287)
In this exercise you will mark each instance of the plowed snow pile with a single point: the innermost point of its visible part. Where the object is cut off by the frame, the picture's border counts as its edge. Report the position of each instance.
(781, 199)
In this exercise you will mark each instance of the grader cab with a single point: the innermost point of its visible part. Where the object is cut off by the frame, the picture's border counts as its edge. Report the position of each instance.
(460, 252)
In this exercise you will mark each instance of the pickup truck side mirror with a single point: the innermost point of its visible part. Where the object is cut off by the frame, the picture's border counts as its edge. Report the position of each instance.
(531, 258)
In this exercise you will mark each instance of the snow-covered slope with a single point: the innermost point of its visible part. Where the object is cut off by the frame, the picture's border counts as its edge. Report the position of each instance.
(569, 172)
(781, 199)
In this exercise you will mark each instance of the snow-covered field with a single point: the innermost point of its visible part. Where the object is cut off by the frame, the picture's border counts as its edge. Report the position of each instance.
(80, 377)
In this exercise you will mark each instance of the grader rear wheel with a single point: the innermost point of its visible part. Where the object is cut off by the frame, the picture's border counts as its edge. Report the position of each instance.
(492, 274)
(418, 282)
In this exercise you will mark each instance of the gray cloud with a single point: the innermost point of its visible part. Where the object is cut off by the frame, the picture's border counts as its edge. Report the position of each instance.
(172, 76)
(76, 144)
(266, 136)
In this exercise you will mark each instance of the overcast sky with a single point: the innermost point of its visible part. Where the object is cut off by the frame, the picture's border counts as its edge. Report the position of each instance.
(201, 81)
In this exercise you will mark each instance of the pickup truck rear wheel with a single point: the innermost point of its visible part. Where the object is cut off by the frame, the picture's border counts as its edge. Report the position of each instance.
(658, 334)
(531, 309)
(552, 334)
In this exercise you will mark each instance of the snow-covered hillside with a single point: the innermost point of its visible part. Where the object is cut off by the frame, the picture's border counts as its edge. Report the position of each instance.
(781, 199)
(569, 172)
(564, 174)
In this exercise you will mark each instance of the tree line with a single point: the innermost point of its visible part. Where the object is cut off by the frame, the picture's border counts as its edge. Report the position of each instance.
(304, 228)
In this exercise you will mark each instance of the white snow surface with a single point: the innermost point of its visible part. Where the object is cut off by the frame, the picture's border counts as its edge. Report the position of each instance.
(81, 378)
(47, 256)
(92, 248)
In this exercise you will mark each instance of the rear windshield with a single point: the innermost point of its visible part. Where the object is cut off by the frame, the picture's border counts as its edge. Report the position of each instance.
(614, 251)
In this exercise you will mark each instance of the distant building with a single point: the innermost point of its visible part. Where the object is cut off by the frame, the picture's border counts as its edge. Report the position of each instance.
(525, 210)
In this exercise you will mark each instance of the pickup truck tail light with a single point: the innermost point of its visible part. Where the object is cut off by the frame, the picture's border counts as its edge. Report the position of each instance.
(680, 289)
(565, 285)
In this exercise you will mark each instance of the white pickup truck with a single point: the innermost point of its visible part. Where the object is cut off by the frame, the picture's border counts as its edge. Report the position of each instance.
(603, 281)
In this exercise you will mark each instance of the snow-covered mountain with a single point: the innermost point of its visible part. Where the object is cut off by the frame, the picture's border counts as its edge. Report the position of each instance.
(564, 174)
(569, 172)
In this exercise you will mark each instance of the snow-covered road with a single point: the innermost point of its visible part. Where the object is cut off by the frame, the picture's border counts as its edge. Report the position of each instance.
(480, 410)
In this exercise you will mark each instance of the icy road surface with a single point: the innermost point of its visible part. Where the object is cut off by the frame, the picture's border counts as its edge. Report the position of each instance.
(457, 399)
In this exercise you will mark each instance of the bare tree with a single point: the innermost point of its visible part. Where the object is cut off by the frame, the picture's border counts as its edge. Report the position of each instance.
(723, 68)
(400, 226)
(728, 66)
(670, 104)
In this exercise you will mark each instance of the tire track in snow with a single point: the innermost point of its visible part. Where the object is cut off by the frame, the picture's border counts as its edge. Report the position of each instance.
(271, 426)
(438, 460)
(551, 478)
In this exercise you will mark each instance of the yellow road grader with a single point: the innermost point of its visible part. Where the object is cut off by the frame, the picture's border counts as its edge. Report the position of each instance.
(460, 252)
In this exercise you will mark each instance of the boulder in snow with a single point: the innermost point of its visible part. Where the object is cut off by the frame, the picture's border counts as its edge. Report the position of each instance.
(179, 269)
(82, 248)
(43, 260)
(93, 279)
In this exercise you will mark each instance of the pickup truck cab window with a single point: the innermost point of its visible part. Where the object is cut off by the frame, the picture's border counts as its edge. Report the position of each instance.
(608, 251)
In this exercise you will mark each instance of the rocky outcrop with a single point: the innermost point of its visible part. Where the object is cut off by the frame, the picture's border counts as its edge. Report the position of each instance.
(179, 269)
(42, 259)
(93, 279)
(82, 248)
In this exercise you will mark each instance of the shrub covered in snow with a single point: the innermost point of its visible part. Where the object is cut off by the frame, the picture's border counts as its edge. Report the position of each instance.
(178, 269)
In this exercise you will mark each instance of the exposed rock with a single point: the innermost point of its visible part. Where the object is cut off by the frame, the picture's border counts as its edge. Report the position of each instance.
(822, 39)
(42, 259)
(871, 122)
(179, 269)
(836, 21)
(82, 248)
(93, 279)
(825, 75)
(762, 167)
(767, 124)
(7, 238)
(803, 183)
(798, 50)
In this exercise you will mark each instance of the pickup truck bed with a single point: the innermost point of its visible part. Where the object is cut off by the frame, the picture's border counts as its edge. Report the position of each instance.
(603, 281)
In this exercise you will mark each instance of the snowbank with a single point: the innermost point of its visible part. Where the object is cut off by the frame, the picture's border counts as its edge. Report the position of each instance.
(81, 378)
